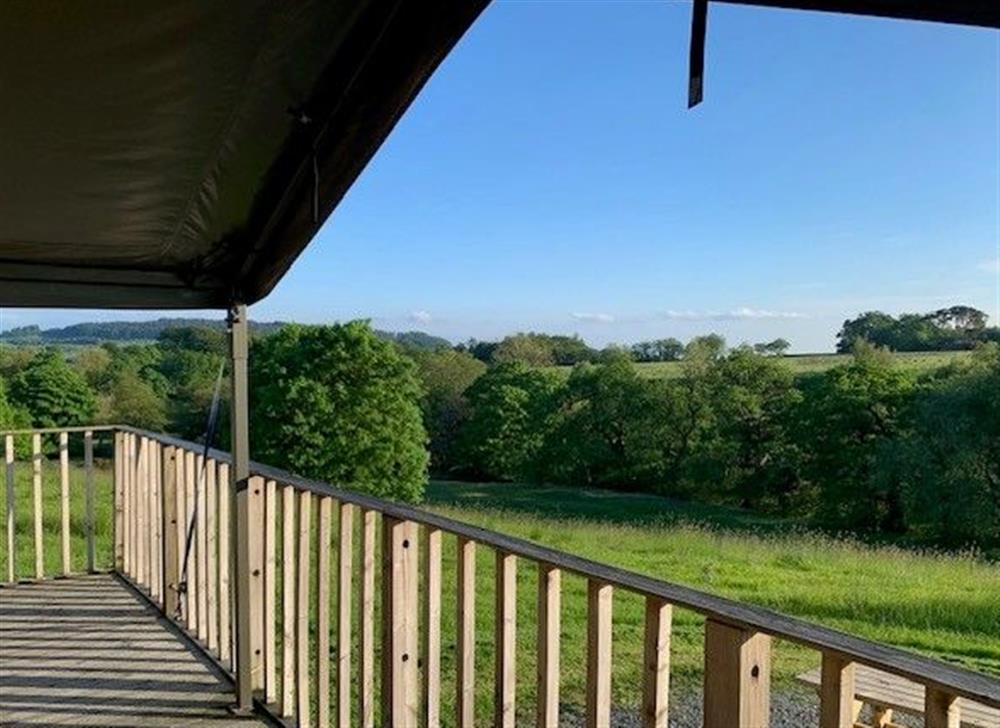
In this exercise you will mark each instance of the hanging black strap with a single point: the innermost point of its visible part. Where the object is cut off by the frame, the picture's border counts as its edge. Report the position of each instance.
(696, 60)
(213, 421)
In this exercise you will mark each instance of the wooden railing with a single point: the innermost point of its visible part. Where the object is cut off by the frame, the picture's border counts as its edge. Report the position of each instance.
(330, 561)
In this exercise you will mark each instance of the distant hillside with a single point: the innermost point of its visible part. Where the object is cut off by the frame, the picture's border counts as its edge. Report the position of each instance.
(99, 332)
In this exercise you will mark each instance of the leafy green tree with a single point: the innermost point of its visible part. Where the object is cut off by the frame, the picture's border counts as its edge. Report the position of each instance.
(132, 401)
(669, 349)
(778, 347)
(188, 362)
(950, 461)
(445, 376)
(855, 412)
(753, 400)
(705, 348)
(339, 404)
(510, 412)
(525, 348)
(52, 393)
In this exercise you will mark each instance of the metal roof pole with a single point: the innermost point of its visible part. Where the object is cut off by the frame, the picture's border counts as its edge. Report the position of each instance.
(240, 507)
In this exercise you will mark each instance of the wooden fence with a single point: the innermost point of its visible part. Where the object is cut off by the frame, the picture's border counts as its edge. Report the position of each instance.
(326, 561)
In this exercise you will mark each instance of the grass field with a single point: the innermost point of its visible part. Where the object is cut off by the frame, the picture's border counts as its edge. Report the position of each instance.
(916, 361)
(941, 605)
(946, 606)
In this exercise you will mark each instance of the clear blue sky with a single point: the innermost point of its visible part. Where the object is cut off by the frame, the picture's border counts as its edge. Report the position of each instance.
(549, 177)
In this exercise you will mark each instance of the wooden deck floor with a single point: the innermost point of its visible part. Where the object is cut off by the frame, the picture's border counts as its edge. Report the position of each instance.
(88, 651)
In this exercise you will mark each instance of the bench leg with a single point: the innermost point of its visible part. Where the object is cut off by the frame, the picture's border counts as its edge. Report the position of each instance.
(881, 716)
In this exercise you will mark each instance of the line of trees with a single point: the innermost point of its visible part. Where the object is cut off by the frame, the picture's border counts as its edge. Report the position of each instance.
(865, 446)
(947, 329)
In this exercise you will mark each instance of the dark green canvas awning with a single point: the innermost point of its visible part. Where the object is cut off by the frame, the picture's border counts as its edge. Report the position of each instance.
(182, 154)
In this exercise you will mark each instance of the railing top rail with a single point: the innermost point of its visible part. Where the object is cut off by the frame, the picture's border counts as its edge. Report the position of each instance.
(927, 671)
(57, 430)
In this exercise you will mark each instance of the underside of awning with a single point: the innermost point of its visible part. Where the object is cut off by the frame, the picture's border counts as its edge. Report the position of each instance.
(182, 154)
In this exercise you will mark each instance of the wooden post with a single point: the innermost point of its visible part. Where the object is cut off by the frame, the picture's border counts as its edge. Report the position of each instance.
(88, 490)
(243, 537)
(656, 664)
(941, 709)
(255, 534)
(505, 685)
(345, 562)
(366, 607)
(400, 699)
(270, 579)
(9, 468)
(836, 692)
(302, 611)
(171, 541)
(287, 601)
(599, 616)
(737, 677)
(119, 554)
(549, 608)
(36, 484)
(465, 658)
(432, 627)
(67, 565)
(323, 612)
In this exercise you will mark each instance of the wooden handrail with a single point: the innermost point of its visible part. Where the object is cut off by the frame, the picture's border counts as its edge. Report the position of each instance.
(946, 678)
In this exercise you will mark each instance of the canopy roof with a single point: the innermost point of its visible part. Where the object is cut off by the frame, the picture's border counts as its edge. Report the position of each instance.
(182, 154)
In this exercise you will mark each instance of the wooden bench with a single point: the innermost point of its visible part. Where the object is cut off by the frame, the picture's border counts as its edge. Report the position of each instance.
(886, 693)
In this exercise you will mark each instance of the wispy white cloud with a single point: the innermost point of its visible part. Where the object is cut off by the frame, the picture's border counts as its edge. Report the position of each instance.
(420, 317)
(742, 313)
(990, 266)
(595, 318)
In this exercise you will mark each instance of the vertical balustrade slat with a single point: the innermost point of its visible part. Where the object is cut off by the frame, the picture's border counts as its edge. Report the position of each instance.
(255, 513)
(270, 571)
(141, 532)
(941, 709)
(36, 486)
(465, 658)
(345, 563)
(656, 663)
(737, 677)
(191, 562)
(119, 535)
(287, 601)
(400, 607)
(432, 627)
(126, 504)
(549, 622)
(302, 611)
(836, 693)
(171, 542)
(88, 486)
(323, 613)
(366, 639)
(201, 548)
(180, 528)
(600, 598)
(506, 640)
(212, 527)
(225, 564)
(156, 536)
(67, 565)
(10, 521)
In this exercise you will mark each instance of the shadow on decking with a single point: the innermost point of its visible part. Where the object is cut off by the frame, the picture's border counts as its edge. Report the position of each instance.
(88, 651)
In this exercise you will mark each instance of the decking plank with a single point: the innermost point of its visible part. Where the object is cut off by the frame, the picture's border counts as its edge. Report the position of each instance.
(88, 651)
